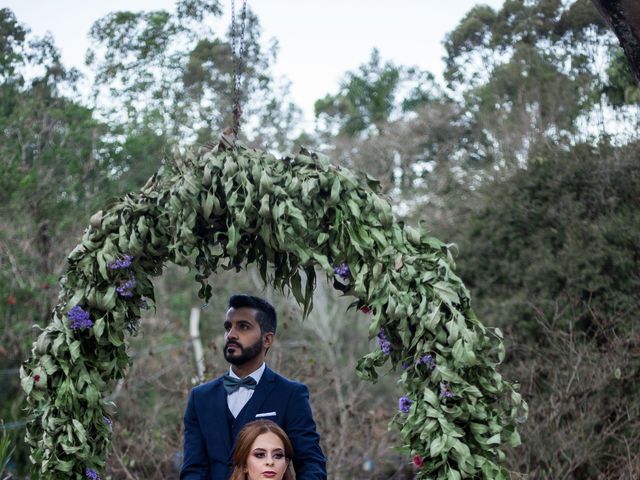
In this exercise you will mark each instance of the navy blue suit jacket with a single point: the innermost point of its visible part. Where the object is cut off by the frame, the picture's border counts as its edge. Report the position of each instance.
(207, 441)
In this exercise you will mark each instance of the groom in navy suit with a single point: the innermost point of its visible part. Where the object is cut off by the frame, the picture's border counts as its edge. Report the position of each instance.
(218, 410)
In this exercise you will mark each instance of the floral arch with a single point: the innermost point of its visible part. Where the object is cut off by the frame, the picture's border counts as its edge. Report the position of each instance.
(232, 206)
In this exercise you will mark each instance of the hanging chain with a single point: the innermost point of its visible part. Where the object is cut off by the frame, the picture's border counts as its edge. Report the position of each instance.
(239, 58)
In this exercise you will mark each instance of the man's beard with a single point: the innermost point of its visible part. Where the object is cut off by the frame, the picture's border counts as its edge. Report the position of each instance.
(246, 354)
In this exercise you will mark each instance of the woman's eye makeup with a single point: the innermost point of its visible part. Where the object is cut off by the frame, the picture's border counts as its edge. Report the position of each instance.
(262, 454)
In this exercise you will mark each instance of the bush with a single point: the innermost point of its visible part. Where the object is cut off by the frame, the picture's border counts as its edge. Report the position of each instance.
(552, 255)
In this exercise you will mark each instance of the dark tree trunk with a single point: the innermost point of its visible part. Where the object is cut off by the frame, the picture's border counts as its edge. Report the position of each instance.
(623, 16)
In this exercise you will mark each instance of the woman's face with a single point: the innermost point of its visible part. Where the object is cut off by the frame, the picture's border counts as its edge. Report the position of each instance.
(266, 458)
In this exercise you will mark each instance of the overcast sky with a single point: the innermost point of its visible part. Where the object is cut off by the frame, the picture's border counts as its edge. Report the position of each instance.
(319, 40)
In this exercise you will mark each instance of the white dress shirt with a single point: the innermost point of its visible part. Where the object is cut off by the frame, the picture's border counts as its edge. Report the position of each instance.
(238, 399)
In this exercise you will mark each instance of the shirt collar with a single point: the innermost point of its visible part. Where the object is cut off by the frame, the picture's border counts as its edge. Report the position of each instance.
(256, 374)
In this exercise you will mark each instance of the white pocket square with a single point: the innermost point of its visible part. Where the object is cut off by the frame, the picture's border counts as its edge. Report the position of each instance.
(266, 414)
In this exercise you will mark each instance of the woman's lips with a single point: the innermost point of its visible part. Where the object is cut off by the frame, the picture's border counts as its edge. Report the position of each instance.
(269, 474)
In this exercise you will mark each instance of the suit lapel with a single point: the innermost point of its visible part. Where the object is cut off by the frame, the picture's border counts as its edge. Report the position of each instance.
(264, 387)
(219, 417)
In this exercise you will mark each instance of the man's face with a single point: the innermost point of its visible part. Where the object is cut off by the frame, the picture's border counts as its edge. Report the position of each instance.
(243, 339)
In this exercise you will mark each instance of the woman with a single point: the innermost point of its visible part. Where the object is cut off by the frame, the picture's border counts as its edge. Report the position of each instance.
(262, 451)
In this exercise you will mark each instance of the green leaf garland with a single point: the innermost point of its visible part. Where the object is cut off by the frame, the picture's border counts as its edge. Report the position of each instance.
(228, 208)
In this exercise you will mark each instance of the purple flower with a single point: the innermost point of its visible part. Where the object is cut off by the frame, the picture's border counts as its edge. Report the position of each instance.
(79, 318)
(143, 304)
(108, 421)
(91, 474)
(405, 365)
(384, 343)
(126, 289)
(124, 262)
(427, 360)
(404, 404)
(445, 392)
(343, 271)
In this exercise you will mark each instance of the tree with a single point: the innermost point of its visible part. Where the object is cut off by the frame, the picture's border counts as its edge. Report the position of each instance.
(171, 74)
(366, 98)
(369, 97)
(366, 124)
(540, 78)
(55, 165)
(51, 162)
(551, 256)
(623, 16)
(621, 87)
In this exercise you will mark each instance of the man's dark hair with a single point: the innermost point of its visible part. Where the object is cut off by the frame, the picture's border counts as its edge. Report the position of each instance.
(266, 315)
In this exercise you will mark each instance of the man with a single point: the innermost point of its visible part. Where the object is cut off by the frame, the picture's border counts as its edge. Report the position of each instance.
(218, 410)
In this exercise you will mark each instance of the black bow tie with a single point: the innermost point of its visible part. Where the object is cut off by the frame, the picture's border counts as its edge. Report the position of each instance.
(231, 384)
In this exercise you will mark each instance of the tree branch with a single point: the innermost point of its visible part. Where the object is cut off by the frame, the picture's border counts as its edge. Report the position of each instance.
(623, 16)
